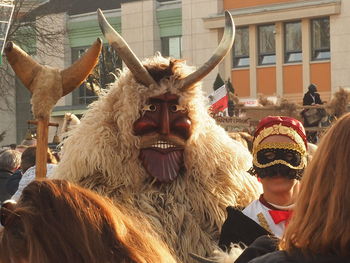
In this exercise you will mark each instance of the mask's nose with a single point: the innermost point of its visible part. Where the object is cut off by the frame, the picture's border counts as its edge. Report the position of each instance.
(164, 120)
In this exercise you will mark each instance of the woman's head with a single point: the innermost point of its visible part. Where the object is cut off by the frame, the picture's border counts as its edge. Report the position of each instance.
(29, 156)
(56, 221)
(320, 223)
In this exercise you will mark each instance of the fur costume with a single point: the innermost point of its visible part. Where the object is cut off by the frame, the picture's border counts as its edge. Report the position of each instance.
(70, 121)
(102, 154)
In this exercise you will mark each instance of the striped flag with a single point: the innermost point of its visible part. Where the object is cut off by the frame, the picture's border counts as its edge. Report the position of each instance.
(219, 99)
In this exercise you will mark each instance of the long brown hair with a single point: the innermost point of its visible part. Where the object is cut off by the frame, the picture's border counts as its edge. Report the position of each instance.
(56, 221)
(321, 219)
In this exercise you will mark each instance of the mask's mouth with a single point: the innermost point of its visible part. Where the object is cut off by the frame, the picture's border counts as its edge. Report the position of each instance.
(164, 146)
(163, 158)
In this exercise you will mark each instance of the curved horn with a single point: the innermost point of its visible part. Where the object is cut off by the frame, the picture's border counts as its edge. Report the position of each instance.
(78, 72)
(22, 64)
(128, 56)
(220, 52)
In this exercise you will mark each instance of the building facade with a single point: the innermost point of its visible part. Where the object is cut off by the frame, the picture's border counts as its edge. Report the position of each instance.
(281, 46)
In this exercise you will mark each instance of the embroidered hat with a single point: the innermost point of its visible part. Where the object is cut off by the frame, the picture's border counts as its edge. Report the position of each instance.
(285, 126)
(288, 122)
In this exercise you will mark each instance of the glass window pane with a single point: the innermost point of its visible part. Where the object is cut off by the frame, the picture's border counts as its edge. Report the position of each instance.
(267, 53)
(5, 12)
(320, 38)
(292, 42)
(171, 46)
(241, 48)
(100, 77)
(241, 44)
(267, 39)
(268, 59)
(175, 47)
(165, 46)
(241, 62)
(293, 37)
(3, 29)
(294, 57)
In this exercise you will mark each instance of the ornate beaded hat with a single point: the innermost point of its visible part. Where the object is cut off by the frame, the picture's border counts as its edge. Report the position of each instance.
(290, 154)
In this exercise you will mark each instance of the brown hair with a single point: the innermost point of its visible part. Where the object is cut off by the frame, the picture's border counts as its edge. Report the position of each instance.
(321, 219)
(56, 221)
(29, 157)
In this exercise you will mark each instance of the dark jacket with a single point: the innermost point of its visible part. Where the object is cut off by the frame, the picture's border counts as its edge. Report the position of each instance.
(297, 257)
(310, 99)
(239, 228)
(13, 182)
(261, 246)
(4, 176)
(315, 114)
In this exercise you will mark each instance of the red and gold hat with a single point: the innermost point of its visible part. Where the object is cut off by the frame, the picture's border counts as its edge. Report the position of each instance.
(285, 126)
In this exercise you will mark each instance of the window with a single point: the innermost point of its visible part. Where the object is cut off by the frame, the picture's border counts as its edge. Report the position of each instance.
(241, 48)
(171, 46)
(267, 50)
(320, 39)
(6, 9)
(100, 77)
(292, 42)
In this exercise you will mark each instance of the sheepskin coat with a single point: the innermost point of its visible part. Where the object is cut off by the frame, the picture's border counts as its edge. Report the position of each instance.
(102, 154)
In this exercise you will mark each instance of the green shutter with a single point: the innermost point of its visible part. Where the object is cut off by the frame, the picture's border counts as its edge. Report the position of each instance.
(84, 33)
(170, 22)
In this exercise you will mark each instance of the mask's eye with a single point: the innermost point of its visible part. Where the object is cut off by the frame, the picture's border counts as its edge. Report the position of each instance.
(176, 108)
(270, 155)
(149, 107)
(289, 156)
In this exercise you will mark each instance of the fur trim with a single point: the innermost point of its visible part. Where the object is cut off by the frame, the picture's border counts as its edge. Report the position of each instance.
(102, 154)
(339, 103)
(221, 256)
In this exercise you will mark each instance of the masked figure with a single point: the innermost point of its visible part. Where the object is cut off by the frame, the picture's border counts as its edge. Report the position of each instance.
(151, 146)
(279, 159)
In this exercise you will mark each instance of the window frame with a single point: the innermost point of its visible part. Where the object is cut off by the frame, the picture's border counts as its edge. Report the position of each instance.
(86, 98)
(261, 55)
(167, 54)
(322, 50)
(237, 58)
(288, 53)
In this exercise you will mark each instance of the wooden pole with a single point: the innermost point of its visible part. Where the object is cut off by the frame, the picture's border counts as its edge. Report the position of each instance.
(49, 124)
(41, 147)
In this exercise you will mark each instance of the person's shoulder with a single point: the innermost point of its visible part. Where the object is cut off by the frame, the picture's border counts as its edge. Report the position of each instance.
(29, 172)
(50, 169)
(238, 211)
(252, 207)
(28, 175)
(274, 257)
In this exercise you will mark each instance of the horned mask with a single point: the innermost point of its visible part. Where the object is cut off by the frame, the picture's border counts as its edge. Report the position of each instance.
(164, 125)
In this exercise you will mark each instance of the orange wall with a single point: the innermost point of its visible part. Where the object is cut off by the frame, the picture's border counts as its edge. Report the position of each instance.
(266, 81)
(240, 82)
(320, 74)
(292, 79)
(232, 4)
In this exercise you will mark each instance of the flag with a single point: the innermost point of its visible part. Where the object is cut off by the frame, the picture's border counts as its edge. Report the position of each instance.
(219, 99)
